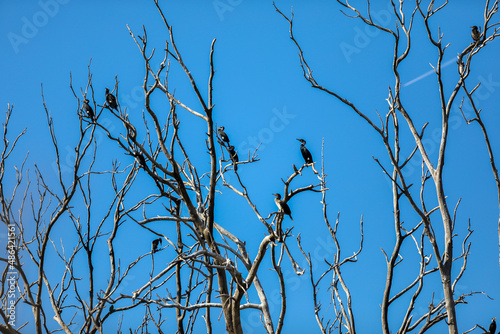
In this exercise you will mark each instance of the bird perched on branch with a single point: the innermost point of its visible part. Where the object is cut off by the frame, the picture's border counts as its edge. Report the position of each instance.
(88, 109)
(282, 206)
(154, 245)
(223, 136)
(139, 157)
(305, 152)
(111, 100)
(475, 33)
(234, 156)
(493, 326)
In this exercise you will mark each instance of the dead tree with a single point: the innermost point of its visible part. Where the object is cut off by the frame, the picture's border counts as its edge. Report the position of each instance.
(73, 243)
(83, 273)
(388, 128)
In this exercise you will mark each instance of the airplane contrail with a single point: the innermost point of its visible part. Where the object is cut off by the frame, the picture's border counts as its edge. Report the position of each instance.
(426, 74)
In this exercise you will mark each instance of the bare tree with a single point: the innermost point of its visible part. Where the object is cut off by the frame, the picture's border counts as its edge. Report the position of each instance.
(71, 256)
(432, 171)
(210, 269)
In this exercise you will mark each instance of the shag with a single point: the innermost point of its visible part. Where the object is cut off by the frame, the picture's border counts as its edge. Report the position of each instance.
(140, 158)
(305, 152)
(154, 245)
(234, 156)
(223, 136)
(493, 326)
(111, 100)
(282, 206)
(475, 33)
(88, 109)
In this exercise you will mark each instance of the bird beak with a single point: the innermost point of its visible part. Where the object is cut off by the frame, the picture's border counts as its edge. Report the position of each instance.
(298, 139)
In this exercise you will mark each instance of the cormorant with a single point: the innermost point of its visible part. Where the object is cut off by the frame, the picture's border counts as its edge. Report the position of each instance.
(223, 136)
(493, 326)
(111, 100)
(234, 156)
(475, 33)
(282, 206)
(140, 158)
(154, 245)
(88, 109)
(305, 152)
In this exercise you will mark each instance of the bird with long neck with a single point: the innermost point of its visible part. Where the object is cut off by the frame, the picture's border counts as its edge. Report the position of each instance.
(282, 206)
(305, 152)
(284, 209)
(493, 326)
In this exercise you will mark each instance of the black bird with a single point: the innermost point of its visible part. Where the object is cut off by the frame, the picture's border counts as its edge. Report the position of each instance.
(305, 152)
(223, 136)
(493, 326)
(475, 33)
(88, 109)
(234, 156)
(140, 158)
(111, 100)
(282, 206)
(154, 245)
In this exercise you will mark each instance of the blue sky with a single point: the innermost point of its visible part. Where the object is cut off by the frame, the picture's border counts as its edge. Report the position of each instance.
(261, 96)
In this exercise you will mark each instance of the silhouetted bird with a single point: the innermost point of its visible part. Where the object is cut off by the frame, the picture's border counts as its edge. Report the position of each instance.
(140, 158)
(305, 152)
(282, 206)
(493, 326)
(475, 33)
(223, 136)
(111, 100)
(154, 245)
(88, 109)
(234, 156)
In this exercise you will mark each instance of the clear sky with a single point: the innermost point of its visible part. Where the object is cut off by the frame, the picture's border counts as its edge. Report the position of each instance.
(260, 96)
